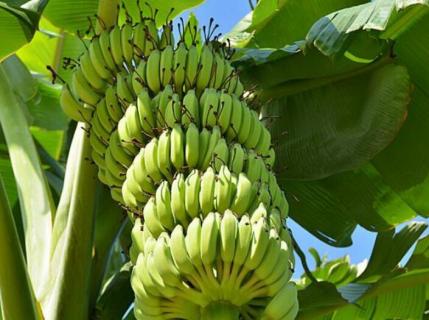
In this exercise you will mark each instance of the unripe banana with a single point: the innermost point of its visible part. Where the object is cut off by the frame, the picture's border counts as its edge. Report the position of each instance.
(244, 240)
(259, 244)
(210, 105)
(235, 122)
(179, 66)
(123, 91)
(207, 191)
(282, 304)
(99, 146)
(191, 112)
(204, 142)
(140, 41)
(140, 173)
(127, 43)
(179, 251)
(102, 114)
(106, 50)
(178, 192)
(151, 160)
(82, 89)
(253, 166)
(163, 206)
(236, 159)
(206, 67)
(228, 234)
(192, 64)
(138, 80)
(98, 61)
(72, 107)
(255, 133)
(193, 240)
(147, 119)
(220, 155)
(167, 36)
(177, 147)
(112, 104)
(217, 78)
(223, 190)
(116, 46)
(125, 137)
(173, 113)
(151, 218)
(164, 262)
(264, 142)
(165, 97)
(192, 146)
(224, 115)
(164, 163)
(269, 262)
(134, 127)
(208, 155)
(246, 122)
(209, 239)
(193, 184)
(270, 160)
(153, 71)
(91, 76)
(244, 195)
(166, 65)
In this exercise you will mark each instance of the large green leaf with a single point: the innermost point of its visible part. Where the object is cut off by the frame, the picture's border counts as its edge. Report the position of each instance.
(16, 294)
(340, 126)
(68, 287)
(18, 22)
(35, 198)
(390, 18)
(275, 24)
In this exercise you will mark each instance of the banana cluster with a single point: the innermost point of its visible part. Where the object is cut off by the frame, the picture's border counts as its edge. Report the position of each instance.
(181, 150)
(244, 261)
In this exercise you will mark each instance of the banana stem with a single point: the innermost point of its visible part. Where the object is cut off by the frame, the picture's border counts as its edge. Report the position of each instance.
(220, 311)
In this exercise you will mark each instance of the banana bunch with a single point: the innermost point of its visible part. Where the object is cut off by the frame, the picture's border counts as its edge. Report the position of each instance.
(182, 151)
(218, 258)
(199, 193)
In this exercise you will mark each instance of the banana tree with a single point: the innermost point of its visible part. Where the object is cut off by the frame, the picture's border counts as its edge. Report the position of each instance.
(149, 165)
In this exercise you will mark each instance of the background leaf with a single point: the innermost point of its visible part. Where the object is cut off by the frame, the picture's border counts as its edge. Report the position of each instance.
(35, 198)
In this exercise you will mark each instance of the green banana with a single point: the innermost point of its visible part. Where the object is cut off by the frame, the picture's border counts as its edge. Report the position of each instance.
(246, 122)
(153, 77)
(192, 190)
(191, 113)
(208, 155)
(127, 43)
(228, 235)
(207, 191)
(98, 61)
(210, 105)
(209, 240)
(237, 158)
(244, 195)
(235, 122)
(224, 115)
(166, 65)
(177, 147)
(160, 109)
(191, 67)
(173, 113)
(220, 154)
(151, 218)
(206, 67)
(112, 104)
(106, 50)
(138, 80)
(179, 66)
(83, 90)
(164, 146)
(116, 47)
(72, 107)
(91, 76)
(255, 133)
(151, 160)
(163, 206)
(192, 146)
(178, 192)
(193, 240)
(223, 190)
(147, 119)
(204, 142)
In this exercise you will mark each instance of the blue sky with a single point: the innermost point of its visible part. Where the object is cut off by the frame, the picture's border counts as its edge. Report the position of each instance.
(227, 13)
